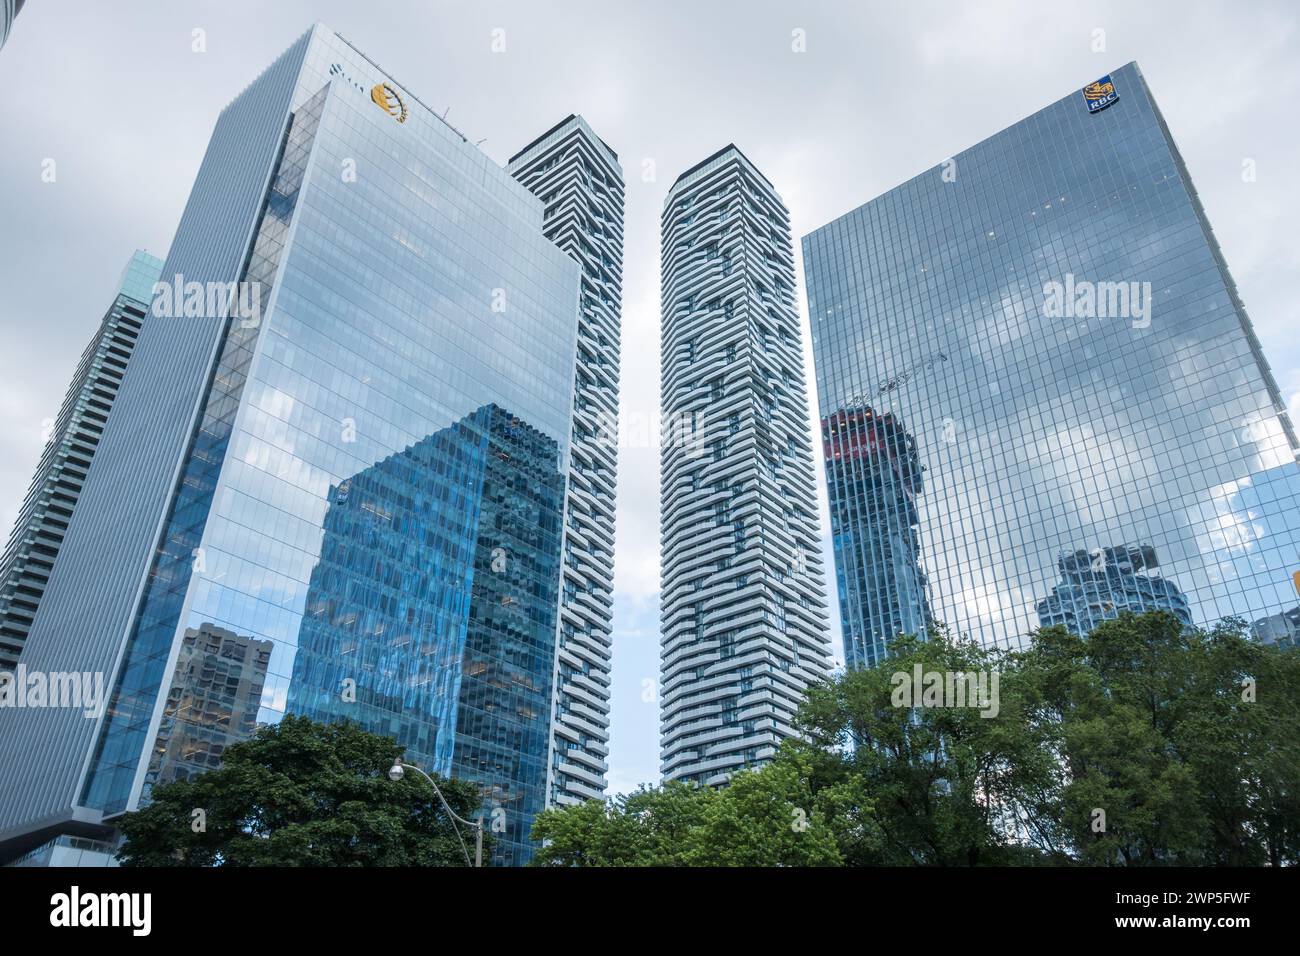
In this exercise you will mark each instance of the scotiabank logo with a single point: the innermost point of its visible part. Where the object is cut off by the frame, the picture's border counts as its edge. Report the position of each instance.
(388, 100)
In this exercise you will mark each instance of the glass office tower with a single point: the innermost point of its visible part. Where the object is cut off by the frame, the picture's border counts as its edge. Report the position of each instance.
(47, 509)
(353, 488)
(1038, 385)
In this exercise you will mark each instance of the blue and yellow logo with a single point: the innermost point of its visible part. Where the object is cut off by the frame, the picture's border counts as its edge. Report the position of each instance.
(388, 100)
(1100, 95)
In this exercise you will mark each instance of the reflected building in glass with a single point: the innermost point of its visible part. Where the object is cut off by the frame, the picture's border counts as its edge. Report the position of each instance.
(1048, 316)
(424, 619)
(339, 495)
(1282, 629)
(213, 702)
(874, 465)
(1101, 584)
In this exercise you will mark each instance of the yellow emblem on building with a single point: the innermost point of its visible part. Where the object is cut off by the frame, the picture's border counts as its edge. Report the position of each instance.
(388, 100)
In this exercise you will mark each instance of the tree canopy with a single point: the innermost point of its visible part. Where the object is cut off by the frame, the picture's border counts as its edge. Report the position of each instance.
(301, 793)
(1146, 743)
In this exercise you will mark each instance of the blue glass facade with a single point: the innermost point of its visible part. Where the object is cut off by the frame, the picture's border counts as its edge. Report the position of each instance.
(1038, 385)
(180, 553)
(431, 615)
(367, 517)
(875, 468)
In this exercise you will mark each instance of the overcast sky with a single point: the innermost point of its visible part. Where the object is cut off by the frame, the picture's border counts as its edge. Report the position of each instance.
(114, 93)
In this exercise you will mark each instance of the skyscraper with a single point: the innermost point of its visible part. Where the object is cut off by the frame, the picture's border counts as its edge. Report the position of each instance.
(9, 9)
(43, 520)
(580, 182)
(1049, 314)
(743, 628)
(352, 278)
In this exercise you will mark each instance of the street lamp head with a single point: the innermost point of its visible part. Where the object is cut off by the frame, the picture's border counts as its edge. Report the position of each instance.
(396, 771)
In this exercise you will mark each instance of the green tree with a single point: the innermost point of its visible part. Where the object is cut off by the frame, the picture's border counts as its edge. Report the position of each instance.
(773, 816)
(1145, 743)
(765, 817)
(300, 793)
(653, 826)
(948, 785)
(1178, 743)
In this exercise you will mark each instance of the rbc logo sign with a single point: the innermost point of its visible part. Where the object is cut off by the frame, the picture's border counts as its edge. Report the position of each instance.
(1100, 95)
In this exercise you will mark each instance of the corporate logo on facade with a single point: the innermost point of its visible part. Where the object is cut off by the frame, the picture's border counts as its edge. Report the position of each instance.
(1100, 95)
(388, 100)
(382, 94)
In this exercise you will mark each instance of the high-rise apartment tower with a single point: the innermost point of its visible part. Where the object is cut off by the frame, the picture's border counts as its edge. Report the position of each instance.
(579, 180)
(61, 473)
(743, 628)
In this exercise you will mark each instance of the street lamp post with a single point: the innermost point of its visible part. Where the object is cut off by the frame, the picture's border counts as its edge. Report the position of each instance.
(398, 770)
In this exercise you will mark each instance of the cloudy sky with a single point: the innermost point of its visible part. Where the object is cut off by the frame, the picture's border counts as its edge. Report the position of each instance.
(115, 94)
